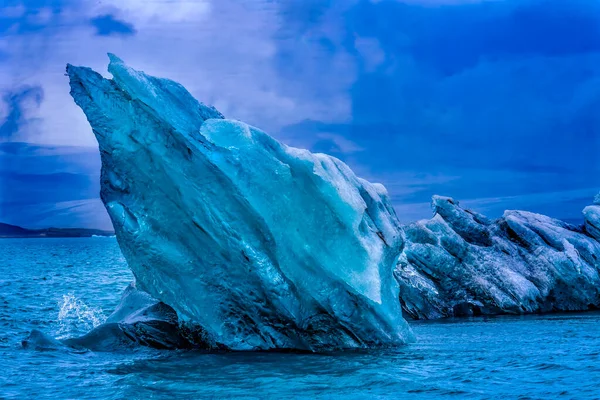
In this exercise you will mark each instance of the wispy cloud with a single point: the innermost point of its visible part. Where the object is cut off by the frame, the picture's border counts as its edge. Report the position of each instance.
(42, 186)
(20, 107)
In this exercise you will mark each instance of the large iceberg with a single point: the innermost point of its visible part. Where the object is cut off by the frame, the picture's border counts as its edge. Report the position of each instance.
(461, 263)
(263, 245)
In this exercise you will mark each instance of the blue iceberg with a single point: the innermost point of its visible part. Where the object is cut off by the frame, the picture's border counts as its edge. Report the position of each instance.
(263, 245)
(460, 263)
(139, 320)
(592, 218)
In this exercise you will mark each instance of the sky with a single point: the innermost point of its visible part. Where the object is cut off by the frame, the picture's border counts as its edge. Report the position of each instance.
(493, 102)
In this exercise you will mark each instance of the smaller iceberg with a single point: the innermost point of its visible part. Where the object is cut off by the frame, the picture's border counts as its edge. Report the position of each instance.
(139, 320)
(461, 263)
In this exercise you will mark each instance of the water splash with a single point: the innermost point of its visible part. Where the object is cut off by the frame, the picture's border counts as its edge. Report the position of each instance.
(76, 318)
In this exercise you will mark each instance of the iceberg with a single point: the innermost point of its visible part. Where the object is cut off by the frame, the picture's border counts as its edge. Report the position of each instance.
(460, 263)
(592, 218)
(264, 246)
(139, 320)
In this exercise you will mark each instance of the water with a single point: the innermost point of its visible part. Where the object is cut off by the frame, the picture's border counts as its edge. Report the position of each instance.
(65, 286)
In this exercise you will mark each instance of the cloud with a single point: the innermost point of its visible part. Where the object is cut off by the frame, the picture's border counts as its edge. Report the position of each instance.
(159, 11)
(107, 25)
(224, 52)
(27, 158)
(43, 186)
(21, 19)
(472, 99)
(14, 11)
(65, 214)
(339, 144)
(21, 105)
(498, 96)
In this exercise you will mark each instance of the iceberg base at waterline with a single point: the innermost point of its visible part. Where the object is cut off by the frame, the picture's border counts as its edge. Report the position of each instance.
(138, 321)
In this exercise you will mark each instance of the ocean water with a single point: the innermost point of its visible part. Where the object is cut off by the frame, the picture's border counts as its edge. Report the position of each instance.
(66, 286)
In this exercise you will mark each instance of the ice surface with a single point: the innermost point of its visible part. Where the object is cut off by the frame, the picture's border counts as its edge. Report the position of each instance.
(592, 218)
(461, 263)
(265, 246)
(139, 320)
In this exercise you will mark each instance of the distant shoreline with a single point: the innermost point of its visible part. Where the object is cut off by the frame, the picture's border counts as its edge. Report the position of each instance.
(8, 231)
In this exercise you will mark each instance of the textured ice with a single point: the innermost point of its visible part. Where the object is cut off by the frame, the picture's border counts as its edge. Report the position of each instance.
(264, 245)
(592, 218)
(139, 320)
(461, 263)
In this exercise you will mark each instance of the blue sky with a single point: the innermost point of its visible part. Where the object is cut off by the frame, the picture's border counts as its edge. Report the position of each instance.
(492, 102)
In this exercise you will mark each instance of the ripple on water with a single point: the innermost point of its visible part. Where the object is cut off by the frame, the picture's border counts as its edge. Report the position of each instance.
(555, 356)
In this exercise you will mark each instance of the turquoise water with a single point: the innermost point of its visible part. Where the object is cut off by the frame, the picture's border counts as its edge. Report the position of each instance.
(65, 286)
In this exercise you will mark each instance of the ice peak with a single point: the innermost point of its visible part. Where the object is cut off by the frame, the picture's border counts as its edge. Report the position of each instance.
(114, 59)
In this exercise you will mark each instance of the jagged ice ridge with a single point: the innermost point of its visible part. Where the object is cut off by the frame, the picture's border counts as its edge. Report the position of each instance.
(462, 263)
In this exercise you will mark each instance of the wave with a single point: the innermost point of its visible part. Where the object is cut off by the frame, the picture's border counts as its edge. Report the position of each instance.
(138, 321)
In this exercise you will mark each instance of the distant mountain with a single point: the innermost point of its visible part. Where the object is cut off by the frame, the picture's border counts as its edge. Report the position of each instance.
(13, 231)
